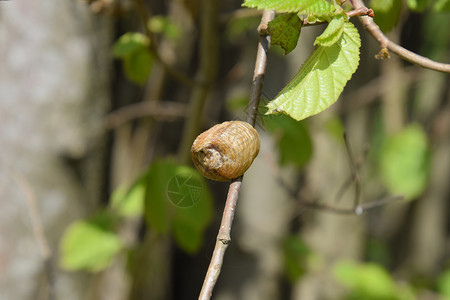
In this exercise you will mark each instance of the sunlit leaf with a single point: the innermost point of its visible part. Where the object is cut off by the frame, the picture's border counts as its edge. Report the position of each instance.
(89, 244)
(129, 43)
(441, 6)
(321, 79)
(417, 5)
(368, 281)
(405, 162)
(387, 13)
(318, 7)
(178, 201)
(284, 31)
(443, 284)
(333, 32)
(129, 202)
(163, 25)
(132, 48)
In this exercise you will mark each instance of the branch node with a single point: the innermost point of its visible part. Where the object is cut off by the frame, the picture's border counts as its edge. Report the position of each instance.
(361, 11)
(359, 210)
(225, 241)
(263, 29)
(383, 54)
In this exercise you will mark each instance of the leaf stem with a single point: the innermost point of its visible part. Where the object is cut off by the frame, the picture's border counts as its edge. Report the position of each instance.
(223, 237)
(385, 43)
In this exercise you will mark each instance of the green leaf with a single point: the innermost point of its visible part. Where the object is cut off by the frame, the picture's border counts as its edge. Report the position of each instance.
(306, 7)
(129, 202)
(187, 237)
(284, 31)
(441, 6)
(90, 244)
(333, 32)
(129, 43)
(405, 162)
(178, 201)
(387, 13)
(377, 252)
(163, 25)
(321, 79)
(138, 66)
(417, 5)
(132, 48)
(443, 284)
(292, 139)
(296, 254)
(366, 281)
(335, 128)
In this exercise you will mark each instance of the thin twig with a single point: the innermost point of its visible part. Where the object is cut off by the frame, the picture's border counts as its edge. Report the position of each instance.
(358, 209)
(223, 240)
(38, 231)
(364, 11)
(157, 110)
(371, 91)
(354, 169)
(385, 43)
(260, 67)
(223, 237)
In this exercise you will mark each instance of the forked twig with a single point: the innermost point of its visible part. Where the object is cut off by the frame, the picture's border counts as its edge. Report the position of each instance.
(387, 44)
(355, 179)
(223, 237)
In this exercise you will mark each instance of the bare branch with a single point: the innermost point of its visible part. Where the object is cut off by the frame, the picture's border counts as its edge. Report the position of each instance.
(358, 209)
(223, 237)
(222, 242)
(387, 44)
(157, 110)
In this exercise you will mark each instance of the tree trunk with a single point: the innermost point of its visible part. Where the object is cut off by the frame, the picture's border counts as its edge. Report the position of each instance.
(54, 93)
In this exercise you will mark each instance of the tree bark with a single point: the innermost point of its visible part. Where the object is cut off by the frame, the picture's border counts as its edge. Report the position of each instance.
(54, 92)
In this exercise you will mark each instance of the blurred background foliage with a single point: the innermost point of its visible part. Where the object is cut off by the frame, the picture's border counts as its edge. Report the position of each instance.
(396, 119)
(179, 67)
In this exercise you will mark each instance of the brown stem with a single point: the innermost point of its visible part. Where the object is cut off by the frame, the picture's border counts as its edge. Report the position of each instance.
(160, 111)
(222, 242)
(385, 43)
(223, 237)
(260, 67)
(361, 11)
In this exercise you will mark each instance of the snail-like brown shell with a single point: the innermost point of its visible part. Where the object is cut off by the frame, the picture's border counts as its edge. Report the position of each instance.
(225, 151)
